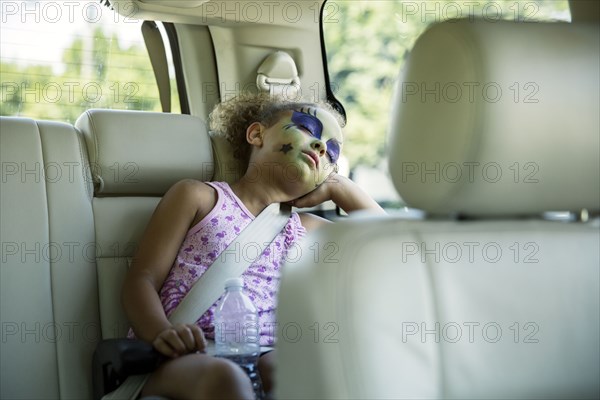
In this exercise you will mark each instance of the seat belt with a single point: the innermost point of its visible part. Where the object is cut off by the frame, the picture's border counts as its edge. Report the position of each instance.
(209, 287)
(158, 59)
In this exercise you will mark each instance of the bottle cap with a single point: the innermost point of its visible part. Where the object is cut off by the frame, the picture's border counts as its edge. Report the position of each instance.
(234, 282)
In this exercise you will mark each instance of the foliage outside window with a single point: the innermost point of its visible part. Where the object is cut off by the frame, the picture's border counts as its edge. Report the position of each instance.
(367, 43)
(61, 58)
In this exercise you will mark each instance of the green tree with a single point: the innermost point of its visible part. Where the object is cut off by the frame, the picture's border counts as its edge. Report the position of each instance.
(98, 72)
(367, 43)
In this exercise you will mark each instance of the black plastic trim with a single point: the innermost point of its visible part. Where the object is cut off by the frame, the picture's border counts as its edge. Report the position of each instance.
(335, 103)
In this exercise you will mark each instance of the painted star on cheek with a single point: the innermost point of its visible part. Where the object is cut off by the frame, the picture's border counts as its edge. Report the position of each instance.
(286, 147)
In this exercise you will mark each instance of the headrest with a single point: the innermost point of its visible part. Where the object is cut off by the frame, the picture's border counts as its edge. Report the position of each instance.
(135, 152)
(499, 119)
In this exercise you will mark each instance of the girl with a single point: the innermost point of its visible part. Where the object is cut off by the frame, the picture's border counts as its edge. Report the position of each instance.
(291, 150)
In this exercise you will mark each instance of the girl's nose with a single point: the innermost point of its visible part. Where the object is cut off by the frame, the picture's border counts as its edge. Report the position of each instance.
(318, 146)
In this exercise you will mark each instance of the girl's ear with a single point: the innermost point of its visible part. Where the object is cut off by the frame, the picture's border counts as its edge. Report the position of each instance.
(254, 134)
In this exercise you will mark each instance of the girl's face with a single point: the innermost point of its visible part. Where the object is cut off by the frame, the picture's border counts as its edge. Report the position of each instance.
(307, 144)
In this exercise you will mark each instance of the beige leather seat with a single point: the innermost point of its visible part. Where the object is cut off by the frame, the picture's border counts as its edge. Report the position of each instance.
(48, 285)
(135, 158)
(70, 223)
(500, 303)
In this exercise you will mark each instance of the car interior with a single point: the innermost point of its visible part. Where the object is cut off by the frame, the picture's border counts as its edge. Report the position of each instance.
(490, 288)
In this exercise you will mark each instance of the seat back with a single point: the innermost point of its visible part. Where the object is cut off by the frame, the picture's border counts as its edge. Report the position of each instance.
(501, 303)
(48, 289)
(70, 223)
(135, 158)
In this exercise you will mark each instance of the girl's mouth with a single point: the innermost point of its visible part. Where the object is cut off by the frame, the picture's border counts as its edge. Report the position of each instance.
(313, 157)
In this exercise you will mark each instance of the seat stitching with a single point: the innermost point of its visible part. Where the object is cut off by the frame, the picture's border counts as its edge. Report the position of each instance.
(96, 143)
(50, 263)
(436, 314)
(84, 159)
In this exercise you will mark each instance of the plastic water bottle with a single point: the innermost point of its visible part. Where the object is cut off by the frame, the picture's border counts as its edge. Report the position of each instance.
(237, 332)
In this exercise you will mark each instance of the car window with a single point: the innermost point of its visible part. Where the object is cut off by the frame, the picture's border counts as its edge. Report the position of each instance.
(366, 44)
(58, 59)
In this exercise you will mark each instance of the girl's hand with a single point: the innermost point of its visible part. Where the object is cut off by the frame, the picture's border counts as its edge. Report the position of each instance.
(321, 194)
(343, 192)
(180, 339)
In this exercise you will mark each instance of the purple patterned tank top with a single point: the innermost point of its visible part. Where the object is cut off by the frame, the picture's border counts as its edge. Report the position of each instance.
(208, 238)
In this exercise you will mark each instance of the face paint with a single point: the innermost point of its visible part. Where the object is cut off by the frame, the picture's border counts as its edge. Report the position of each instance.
(305, 121)
(308, 141)
(286, 147)
(333, 150)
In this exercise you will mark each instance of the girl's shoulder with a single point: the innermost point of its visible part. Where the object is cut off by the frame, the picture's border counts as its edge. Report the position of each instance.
(199, 195)
(191, 189)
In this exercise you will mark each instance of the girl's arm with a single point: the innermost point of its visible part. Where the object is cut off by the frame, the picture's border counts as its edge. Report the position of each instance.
(154, 258)
(343, 192)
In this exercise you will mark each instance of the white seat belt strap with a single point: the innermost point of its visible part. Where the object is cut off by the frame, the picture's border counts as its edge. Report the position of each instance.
(230, 264)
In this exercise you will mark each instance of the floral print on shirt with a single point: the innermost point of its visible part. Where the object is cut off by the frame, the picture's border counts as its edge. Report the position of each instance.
(206, 240)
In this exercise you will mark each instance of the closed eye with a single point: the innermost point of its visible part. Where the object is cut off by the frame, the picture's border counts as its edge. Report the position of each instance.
(308, 123)
(330, 155)
(306, 129)
(333, 150)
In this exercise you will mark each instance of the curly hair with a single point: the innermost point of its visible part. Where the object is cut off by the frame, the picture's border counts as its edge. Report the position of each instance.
(231, 118)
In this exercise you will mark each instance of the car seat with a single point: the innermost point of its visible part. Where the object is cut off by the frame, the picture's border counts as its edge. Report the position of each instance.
(494, 133)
